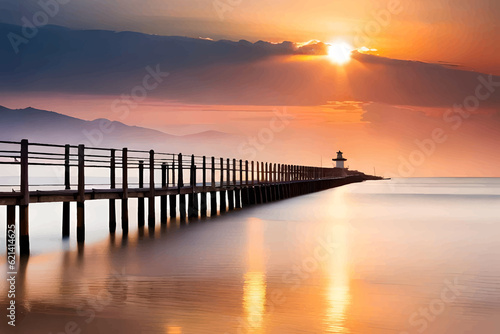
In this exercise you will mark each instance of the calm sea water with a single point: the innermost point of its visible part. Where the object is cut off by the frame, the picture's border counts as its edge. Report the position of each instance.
(401, 256)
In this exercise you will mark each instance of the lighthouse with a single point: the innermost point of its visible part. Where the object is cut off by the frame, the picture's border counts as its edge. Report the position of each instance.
(339, 162)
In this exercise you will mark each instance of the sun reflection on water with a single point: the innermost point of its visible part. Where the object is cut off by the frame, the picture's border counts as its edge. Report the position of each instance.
(338, 295)
(254, 288)
(254, 298)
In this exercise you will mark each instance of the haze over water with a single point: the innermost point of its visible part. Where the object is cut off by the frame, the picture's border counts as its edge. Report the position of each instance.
(400, 256)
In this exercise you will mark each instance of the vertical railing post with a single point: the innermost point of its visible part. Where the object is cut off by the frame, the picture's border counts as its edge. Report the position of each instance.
(112, 182)
(234, 172)
(258, 173)
(193, 197)
(151, 197)
(253, 175)
(267, 173)
(246, 172)
(213, 172)
(25, 200)
(241, 172)
(67, 186)
(163, 198)
(204, 178)
(204, 194)
(221, 172)
(228, 173)
(213, 193)
(80, 204)
(262, 172)
(125, 191)
(222, 192)
(140, 199)
(278, 173)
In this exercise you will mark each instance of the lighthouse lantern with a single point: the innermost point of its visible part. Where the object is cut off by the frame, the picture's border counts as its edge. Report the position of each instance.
(339, 161)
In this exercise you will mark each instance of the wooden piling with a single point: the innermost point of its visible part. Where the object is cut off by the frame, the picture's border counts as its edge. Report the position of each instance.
(230, 192)
(163, 198)
(112, 182)
(180, 184)
(125, 191)
(67, 186)
(80, 204)
(151, 193)
(230, 198)
(258, 194)
(193, 200)
(228, 173)
(140, 200)
(173, 198)
(237, 197)
(24, 242)
(244, 197)
(237, 190)
(213, 203)
(11, 225)
(251, 195)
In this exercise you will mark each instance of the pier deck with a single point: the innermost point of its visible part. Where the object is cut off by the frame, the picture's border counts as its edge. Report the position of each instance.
(212, 185)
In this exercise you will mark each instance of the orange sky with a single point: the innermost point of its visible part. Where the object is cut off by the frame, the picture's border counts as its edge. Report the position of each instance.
(379, 109)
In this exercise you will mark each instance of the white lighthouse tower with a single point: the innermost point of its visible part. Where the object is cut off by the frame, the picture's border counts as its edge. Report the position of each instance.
(339, 162)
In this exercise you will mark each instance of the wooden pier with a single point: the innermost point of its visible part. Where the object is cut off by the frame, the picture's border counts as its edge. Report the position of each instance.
(212, 185)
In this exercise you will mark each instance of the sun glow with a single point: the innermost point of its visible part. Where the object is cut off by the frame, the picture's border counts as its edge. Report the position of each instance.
(340, 52)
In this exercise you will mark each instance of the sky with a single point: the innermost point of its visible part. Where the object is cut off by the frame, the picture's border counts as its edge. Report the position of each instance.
(423, 102)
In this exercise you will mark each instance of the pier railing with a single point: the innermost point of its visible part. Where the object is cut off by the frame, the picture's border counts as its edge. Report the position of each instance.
(90, 173)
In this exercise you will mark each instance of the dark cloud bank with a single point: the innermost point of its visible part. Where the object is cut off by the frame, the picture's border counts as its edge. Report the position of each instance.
(58, 59)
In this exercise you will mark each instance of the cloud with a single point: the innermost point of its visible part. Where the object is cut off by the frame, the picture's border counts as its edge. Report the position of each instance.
(227, 72)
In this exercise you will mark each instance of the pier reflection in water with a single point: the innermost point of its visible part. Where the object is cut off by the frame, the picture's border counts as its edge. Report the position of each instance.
(357, 259)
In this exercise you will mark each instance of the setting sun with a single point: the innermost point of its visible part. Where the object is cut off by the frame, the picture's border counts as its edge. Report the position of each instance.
(340, 52)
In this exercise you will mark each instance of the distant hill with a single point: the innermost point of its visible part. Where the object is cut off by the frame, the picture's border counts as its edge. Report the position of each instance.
(51, 127)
